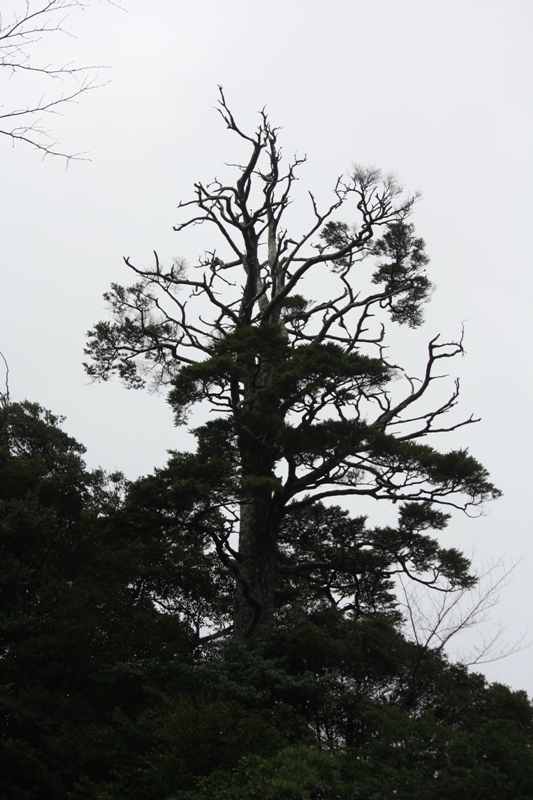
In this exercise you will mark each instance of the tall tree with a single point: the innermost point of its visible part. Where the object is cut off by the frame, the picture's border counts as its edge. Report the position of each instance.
(284, 336)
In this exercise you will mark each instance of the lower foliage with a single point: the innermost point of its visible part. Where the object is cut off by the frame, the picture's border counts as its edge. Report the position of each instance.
(108, 692)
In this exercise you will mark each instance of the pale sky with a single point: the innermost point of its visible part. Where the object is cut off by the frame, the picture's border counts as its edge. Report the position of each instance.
(438, 91)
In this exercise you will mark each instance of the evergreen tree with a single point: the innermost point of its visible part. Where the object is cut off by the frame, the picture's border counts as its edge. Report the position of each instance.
(284, 336)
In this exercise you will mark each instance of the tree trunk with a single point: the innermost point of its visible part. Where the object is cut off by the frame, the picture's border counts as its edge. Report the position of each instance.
(257, 423)
(254, 593)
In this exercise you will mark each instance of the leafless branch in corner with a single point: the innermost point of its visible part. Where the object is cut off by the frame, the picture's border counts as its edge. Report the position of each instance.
(18, 36)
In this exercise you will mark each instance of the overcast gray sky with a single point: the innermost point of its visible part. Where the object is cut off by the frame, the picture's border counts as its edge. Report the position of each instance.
(438, 91)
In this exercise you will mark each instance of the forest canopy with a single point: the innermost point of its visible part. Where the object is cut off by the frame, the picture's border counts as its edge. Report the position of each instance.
(111, 687)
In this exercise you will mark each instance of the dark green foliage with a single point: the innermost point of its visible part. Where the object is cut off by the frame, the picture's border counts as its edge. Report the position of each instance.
(407, 286)
(176, 517)
(107, 690)
(77, 637)
(291, 418)
(301, 377)
(137, 323)
(372, 746)
(330, 557)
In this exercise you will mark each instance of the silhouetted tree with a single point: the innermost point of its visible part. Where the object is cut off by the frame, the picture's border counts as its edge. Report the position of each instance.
(283, 334)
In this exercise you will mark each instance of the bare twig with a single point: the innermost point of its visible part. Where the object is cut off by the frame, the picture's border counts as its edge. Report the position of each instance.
(434, 620)
(17, 39)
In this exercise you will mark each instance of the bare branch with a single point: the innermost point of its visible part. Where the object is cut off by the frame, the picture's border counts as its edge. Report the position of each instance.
(433, 621)
(17, 38)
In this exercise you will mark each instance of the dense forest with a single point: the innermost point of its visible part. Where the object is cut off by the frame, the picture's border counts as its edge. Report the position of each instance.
(222, 628)
(111, 686)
